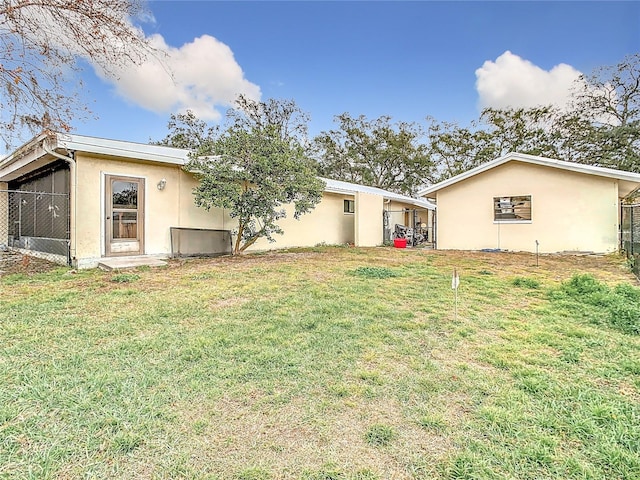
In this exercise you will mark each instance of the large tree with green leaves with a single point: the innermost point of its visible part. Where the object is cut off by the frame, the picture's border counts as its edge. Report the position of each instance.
(456, 149)
(375, 152)
(601, 127)
(254, 168)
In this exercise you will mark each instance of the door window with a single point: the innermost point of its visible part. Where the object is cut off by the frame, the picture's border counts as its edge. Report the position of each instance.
(124, 209)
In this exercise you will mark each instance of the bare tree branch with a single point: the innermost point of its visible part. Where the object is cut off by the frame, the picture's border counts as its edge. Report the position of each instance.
(41, 45)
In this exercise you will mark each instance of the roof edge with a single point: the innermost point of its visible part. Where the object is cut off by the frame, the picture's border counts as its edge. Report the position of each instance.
(24, 149)
(342, 187)
(536, 160)
(122, 148)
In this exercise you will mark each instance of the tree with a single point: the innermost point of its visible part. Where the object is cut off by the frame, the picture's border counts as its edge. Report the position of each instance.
(604, 124)
(253, 168)
(376, 152)
(602, 127)
(41, 41)
(454, 149)
(523, 130)
(499, 131)
(189, 132)
(611, 94)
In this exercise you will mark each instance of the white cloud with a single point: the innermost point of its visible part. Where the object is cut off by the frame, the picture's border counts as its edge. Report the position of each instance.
(513, 82)
(201, 76)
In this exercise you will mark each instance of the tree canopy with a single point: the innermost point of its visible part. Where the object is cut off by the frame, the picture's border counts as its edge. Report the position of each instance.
(375, 152)
(254, 168)
(41, 41)
(601, 127)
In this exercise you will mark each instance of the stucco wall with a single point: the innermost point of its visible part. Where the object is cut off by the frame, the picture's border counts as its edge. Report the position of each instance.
(327, 223)
(161, 207)
(369, 222)
(190, 215)
(569, 211)
(174, 206)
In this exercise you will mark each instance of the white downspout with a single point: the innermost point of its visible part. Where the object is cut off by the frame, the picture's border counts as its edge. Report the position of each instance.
(72, 199)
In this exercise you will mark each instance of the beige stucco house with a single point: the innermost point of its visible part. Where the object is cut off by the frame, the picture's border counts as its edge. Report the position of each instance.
(131, 199)
(516, 200)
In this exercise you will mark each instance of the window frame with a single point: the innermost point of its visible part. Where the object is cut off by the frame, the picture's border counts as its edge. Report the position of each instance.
(349, 206)
(512, 202)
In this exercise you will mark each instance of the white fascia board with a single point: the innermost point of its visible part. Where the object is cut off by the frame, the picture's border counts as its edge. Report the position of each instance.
(119, 148)
(347, 188)
(25, 150)
(27, 157)
(533, 159)
(577, 167)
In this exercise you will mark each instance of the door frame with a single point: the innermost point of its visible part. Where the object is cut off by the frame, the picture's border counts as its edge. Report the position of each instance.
(106, 215)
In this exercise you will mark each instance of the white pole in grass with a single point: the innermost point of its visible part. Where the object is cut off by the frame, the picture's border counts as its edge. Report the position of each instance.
(455, 283)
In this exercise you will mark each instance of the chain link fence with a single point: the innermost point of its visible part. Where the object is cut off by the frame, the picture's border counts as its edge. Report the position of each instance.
(630, 235)
(35, 224)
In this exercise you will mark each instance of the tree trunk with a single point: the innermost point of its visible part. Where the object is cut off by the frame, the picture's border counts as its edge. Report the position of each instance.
(236, 248)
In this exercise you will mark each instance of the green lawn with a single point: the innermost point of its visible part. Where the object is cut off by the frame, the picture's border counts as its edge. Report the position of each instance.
(324, 363)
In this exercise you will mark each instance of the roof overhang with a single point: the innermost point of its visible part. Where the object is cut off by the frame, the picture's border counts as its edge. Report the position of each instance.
(29, 157)
(346, 188)
(33, 155)
(119, 148)
(627, 181)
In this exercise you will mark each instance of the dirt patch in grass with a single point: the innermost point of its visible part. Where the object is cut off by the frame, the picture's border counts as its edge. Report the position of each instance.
(556, 267)
(12, 262)
(302, 436)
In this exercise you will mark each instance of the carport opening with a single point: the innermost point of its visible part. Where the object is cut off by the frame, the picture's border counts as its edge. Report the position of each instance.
(417, 225)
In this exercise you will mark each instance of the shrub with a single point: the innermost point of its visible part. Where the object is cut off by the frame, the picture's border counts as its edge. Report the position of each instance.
(584, 284)
(628, 291)
(587, 289)
(625, 316)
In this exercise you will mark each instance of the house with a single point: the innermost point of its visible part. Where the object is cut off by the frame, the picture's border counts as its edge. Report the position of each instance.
(522, 202)
(83, 199)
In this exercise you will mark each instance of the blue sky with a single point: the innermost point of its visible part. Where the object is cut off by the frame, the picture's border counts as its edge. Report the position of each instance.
(408, 60)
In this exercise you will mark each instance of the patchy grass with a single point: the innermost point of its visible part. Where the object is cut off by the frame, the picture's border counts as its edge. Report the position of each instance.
(619, 307)
(379, 435)
(525, 282)
(125, 277)
(374, 272)
(291, 365)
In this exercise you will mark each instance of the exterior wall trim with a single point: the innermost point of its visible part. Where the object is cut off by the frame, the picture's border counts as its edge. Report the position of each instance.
(543, 161)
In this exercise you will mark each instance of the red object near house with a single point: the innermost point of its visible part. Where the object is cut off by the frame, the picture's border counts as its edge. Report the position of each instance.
(400, 242)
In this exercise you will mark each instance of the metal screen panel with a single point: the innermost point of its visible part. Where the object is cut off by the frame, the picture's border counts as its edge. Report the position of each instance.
(199, 242)
(630, 235)
(35, 223)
